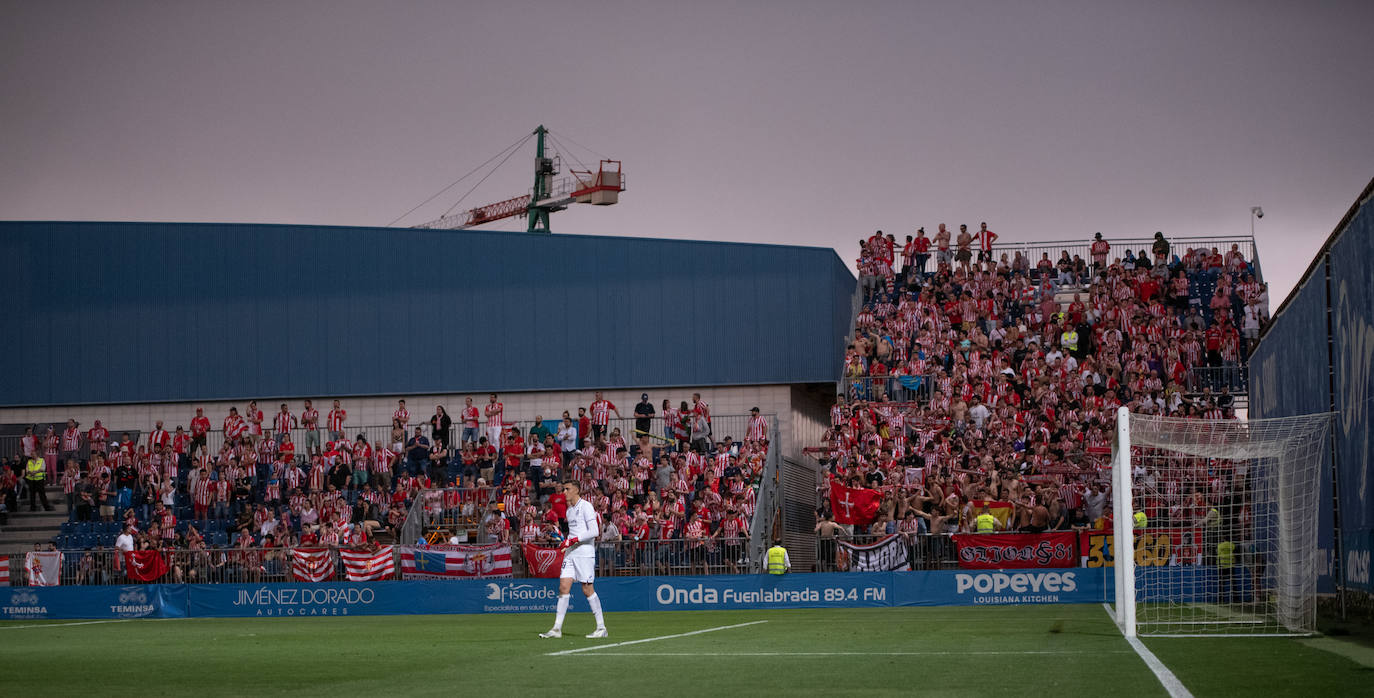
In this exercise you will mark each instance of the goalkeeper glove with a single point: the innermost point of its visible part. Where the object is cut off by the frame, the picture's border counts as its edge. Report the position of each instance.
(568, 543)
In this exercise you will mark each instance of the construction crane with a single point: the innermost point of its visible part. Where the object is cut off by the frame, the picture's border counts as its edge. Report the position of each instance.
(600, 188)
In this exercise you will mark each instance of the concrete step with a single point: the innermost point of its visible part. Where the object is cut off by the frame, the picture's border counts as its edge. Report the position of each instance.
(26, 528)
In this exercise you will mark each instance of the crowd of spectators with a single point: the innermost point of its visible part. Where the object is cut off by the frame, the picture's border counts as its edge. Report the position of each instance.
(259, 493)
(1020, 366)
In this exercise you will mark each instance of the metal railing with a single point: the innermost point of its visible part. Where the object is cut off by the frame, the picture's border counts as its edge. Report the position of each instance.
(925, 551)
(234, 565)
(213, 565)
(766, 507)
(1234, 378)
(917, 389)
(1178, 246)
(442, 513)
(722, 425)
(628, 558)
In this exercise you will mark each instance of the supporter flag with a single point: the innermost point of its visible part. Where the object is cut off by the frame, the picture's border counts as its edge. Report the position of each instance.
(4, 571)
(889, 554)
(543, 562)
(44, 568)
(145, 565)
(854, 505)
(1001, 511)
(365, 566)
(311, 565)
(455, 561)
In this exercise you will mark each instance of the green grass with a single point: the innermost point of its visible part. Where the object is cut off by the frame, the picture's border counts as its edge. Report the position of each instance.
(980, 651)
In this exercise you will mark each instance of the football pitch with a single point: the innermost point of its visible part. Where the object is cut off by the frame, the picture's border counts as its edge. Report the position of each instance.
(978, 651)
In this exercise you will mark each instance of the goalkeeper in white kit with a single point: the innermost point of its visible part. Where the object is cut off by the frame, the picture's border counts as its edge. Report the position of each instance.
(579, 560)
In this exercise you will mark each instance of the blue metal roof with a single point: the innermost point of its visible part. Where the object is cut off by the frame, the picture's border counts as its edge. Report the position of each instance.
(148, 312)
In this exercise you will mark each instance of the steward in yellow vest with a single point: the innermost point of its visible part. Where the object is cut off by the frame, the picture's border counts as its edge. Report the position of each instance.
(35, 471)
(778, 563)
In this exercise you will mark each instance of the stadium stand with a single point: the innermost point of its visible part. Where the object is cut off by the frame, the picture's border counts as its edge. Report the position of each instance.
(674, 487)
(977, 373)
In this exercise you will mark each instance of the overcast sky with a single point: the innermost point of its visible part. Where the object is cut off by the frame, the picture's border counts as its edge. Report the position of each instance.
(788, 122)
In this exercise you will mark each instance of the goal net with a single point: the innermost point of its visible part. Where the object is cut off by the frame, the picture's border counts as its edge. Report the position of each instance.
(1216, 524)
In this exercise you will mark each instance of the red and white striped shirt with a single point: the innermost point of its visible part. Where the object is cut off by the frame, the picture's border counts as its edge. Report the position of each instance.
(401, 415)
(317, 474)
(71, 438)
(336, 419)
(494, 411)
(731, 526)
(98, 438)
(69, 480)
(758, 428)
(310, 419)
(203, 491)
(293, 476)
(284, 422)
(234, 426)
(697, 529)
(601, 412)
(985, 240)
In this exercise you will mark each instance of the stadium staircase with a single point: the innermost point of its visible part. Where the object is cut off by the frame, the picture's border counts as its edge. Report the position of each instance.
(26, 528)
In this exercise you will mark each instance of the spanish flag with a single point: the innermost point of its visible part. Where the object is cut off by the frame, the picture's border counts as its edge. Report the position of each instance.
(1002, 511)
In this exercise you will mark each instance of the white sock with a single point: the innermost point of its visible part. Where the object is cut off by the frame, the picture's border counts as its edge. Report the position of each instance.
(562, 611)
(595, 602)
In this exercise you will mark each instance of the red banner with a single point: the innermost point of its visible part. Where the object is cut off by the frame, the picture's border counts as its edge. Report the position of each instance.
(988, 551)
(854, 505)
(543, 562)
(145, 565)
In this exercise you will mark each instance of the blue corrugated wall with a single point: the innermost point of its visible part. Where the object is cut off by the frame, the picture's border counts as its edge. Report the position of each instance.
(1291, 374)
(145, 312)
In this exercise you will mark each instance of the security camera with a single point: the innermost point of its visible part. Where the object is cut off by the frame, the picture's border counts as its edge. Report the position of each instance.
(1259, 212)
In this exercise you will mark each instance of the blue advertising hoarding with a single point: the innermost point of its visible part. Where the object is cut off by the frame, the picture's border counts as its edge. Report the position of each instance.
(692, 593)
(135, 601)
(1352, 327)
(1294, 371)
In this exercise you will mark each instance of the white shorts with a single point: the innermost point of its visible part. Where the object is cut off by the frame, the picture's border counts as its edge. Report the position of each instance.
(579, 569)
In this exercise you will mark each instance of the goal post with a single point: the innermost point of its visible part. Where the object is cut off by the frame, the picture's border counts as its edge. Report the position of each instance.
(1228, 541)
(1123, 539)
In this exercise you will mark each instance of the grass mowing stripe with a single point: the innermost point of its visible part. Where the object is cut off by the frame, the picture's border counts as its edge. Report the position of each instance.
(654, 639)
(61, 625)
(854, 654)
(1170, 682)
(1364, 656)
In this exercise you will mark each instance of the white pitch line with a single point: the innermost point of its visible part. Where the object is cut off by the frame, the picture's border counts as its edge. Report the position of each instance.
(1170, 682)
(652, 639)
(851, 654)
(59, 625)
